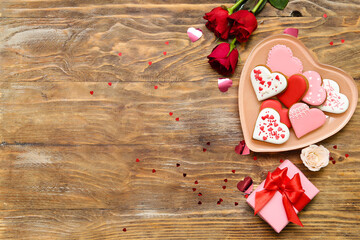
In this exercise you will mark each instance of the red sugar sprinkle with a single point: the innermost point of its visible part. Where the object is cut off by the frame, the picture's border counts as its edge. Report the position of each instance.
(109, 83)
(164, 53)
(224, 187)
(208, 143)
(149, 63)
(333, 161)
(177, 119)
(325, 15)
(91, 92)
(225, 180)
(200, 194)
(233, 171)
(170, 113)
(204, 149)
(236, 203)
(342, 40)
(120, 54)
(199, 202)
(124, 229)
(178, 165)
(153, 170)
(155, 87)
(137, 160)
(184, 174)
(167, 43)
(196, 182)
(346, 155)
(194, 189)
(335, 146)
(331, 43)
(255, 158)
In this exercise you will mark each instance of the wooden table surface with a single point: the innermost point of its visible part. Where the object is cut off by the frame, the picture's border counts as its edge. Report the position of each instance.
(68, 165)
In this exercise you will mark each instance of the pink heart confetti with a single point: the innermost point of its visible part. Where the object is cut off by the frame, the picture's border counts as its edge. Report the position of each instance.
(292, 31)
(331, 43)
(91, 92)
(167, 43)
(109, 83)
(155, 87)
(149, 63)
(242, 148)
(325, 15)
(170, 113)
(194, 34)
(224, 84)
(164, 53)
(177, 119)
(120, 54)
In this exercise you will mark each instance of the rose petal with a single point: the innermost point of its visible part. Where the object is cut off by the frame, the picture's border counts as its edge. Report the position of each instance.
(194, 34)
(224, 84)
(292, 31)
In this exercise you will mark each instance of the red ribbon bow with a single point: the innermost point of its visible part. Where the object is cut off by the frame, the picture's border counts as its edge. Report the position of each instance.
(292, 193)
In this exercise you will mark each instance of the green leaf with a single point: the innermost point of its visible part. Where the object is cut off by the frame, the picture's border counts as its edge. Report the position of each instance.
(279, 4)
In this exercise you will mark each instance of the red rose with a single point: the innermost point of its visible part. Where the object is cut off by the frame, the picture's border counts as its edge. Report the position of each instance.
(244, 24)
(223, 62)
(218, 22)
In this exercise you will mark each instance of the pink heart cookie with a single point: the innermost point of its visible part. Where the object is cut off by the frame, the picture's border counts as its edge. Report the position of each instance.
(268, 127)
(304, 120)
(281, 59)
(316, 94)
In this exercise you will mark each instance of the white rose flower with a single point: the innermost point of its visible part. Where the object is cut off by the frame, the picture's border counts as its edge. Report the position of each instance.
(315, 157)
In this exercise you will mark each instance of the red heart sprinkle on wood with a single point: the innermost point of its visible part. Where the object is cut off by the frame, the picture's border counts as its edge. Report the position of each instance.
(91, 92)
(225, 180)
(177, 119)
(255, 158)
(236, 203)
(281, 160)
(204, 149)
(346, 155)
(184, 174)
(333, 161)
(149, 63)
(200, 194)
(331, 43)
(342, 40)
(137, 160)
(233, 171)
(194, 189)
(153, 170)
(196, 182)
(109, 83)
(199, 202)
(170, 113)
(325, 15)
(224, 187)
(167, 43)
(164, 53)
(155, 87)
(120, 54)
(208, 143)
(124, 229)
(178, 165)
(335, 146)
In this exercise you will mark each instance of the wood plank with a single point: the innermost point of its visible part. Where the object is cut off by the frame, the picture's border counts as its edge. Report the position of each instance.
(161, 8)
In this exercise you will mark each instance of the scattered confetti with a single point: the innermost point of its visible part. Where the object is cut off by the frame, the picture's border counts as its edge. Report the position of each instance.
(255, 158)
(178, 165)
(109, 83)
(245, 184)
(120, 54)
(204, 149)
(200, 194)
(91, 92)
(196, 182)
(170, 113)
(199, 202)
(149, 63)
(167, 43)
(155, 87)
(292, 31)
(333, 161)
(224, 84)
(124, 229)
(224, 187)
(346, 155)
(153, 170)
(246, 196)
(331, 43)
(177, 119)
(233, 171)
(335, 146)
(194, 34)
(225, 180)
(331, 158)
(236, 203)
(184, 174)
(220, 201)
(325, 15)
(242, 148)
(342, 40)
(281, 160)
(194, 189)
(137, 160)
(164, 53)
(208, 143)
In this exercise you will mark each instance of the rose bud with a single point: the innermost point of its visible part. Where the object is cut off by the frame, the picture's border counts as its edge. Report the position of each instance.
(244, 23)
(218, 22)
(222, 60)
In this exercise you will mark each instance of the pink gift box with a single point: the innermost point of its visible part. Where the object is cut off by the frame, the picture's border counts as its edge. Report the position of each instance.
(274, 212)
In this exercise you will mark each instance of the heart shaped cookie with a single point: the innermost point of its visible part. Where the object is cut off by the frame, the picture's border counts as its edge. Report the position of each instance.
(336, 102)
(268, 127)
(280, 58)
(316, 94)
(267, 84)
(297, 87)
(304, 120)
(283, 112)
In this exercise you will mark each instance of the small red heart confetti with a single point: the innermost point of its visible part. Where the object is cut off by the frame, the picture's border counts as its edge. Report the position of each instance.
(335, 146)
(153, 170)
(325, 15)
(242, 149)
(91, 92)
(331, 158)
(149, 63)
(333, 161)
(199, 202)
(137, 160)
(281, 160)
(120, 54)
(164, 53)
(178, 165)
(200, 194)
(196, 182)
(233, 171)
(204, 149)
(184, 174)
(109, 83)
(220, 199)
(167, 43)
(194, 189)
(218, 202)
(236, 203)
(170, 113)
(255, 158)
(346, 155)
(177, 119)
(245, 184)
(246, 196)
(155, 87)
(124, 229)
(224, 187)
(208, 143)
(331, 43)
(342, 40)
(225, 180)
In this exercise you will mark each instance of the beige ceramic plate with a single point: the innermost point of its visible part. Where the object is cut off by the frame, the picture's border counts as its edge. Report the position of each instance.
(249, 106)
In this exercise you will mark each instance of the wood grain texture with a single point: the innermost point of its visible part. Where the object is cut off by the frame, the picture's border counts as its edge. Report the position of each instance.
(67, 158)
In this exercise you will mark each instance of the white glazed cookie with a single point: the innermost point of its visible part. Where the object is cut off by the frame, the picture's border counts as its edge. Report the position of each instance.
(268, 127)
(336, 102)
(267, 84)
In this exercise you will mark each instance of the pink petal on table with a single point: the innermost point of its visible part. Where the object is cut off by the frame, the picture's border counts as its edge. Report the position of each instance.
(224, 84)
(194, 34)
(292, 31)
(242, 148)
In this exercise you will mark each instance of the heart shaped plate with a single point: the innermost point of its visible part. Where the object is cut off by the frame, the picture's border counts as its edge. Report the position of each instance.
(249, 106)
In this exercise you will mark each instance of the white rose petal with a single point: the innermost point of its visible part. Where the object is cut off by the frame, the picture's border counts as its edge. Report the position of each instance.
(315, 157)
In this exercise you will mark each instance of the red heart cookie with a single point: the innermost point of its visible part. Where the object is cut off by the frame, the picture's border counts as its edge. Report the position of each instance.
(283, 112)
(297, 88)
